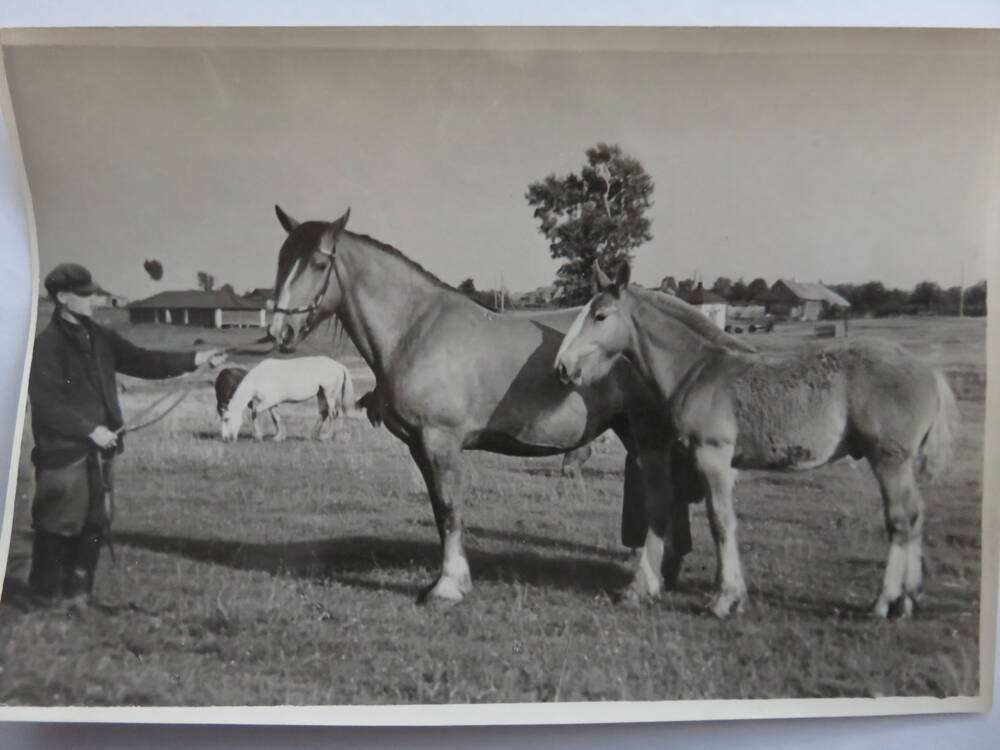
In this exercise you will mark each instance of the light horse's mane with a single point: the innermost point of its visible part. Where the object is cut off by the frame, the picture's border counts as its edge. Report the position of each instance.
(692, 319)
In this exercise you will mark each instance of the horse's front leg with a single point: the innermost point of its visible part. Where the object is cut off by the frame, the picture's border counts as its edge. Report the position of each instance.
(714, 463)
(438, 456)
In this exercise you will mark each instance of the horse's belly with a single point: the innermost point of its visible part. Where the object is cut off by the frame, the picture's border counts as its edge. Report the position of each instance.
(791, 436)
(539, 427)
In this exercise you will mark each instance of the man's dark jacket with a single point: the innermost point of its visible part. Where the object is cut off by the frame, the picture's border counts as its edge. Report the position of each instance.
(72, 385)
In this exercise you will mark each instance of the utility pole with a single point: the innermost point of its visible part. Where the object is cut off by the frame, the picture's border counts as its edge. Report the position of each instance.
(961, 289)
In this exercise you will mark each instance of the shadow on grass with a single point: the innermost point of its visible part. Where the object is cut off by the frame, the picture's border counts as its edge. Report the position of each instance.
(352, 560)
(268, 437)
(555, 472)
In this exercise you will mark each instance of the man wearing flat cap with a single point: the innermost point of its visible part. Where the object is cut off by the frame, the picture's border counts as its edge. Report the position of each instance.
(74, 418)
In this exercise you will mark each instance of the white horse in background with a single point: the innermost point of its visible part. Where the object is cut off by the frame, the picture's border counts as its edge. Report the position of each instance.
(277, 381)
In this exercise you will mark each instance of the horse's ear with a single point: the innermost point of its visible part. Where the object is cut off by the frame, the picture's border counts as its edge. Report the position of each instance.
(623, 276)
(329, 240)
(286, 221)
(600, 279)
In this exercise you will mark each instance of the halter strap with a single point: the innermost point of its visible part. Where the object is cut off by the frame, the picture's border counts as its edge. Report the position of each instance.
(314, 305)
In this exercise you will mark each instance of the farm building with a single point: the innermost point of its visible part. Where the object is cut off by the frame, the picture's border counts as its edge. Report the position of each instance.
(710, 304)
(800, 300)
(541, 297)
(221, 308)
(262, 295)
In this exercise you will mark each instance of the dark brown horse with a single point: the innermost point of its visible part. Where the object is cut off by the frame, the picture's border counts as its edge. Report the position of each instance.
(735, 409)
(452, 376)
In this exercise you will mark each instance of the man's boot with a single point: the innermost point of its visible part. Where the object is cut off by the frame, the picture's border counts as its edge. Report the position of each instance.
(47, 556)
(79, 568)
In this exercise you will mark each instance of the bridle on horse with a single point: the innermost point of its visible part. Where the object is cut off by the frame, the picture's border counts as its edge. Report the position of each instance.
(313, 306)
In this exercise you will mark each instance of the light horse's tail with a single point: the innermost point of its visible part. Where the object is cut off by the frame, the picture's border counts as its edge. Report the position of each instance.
(938, 446)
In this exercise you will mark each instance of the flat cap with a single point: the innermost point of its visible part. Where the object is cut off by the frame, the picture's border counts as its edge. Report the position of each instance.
(71, 277)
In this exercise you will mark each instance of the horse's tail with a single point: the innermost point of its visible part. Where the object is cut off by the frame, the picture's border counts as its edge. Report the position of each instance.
(346, 393)
(938, 445)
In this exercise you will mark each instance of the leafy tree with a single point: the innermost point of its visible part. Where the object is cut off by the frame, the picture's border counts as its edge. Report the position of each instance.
(927, 295)
(154, 268)
(467, 287)
(669, 284)
(598, 214)
(870, 295)
(685, 287)
(206, 281)
(975, 299)
(757, 290)
(739, 292)
(723, 286)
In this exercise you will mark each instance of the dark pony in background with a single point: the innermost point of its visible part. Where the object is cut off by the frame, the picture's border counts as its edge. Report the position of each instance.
(451, 375)
(226, 383)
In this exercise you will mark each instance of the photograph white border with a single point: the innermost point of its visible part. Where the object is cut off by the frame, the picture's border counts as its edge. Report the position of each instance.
(494, 714)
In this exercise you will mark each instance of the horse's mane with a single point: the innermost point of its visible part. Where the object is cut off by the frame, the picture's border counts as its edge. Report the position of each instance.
(687, 315)
(387, 248)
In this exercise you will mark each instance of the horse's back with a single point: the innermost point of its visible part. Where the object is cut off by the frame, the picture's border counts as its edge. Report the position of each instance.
(298, 378)
(816, 403)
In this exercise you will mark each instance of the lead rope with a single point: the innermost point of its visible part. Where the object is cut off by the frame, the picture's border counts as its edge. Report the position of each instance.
(106, 458)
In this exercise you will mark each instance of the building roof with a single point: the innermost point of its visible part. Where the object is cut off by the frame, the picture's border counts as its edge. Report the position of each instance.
(260, 291)
(702, 296)
(197, 299)
(817, 292)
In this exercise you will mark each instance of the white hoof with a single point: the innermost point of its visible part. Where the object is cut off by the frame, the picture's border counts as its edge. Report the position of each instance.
(447, 591)
(903, 607)
(726, 603)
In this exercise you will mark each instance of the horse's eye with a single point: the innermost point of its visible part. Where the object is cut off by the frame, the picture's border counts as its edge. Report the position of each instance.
(320, 265)
(599, 316)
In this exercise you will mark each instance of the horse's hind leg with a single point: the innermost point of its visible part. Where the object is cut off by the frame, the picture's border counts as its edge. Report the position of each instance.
(324, 415)
(279, 425)
(904, 521)
(438, 456)
(573, 461)
(715, 465)
(258, 431)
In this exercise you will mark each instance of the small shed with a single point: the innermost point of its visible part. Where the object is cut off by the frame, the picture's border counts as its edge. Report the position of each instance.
(800, 300)
(541, 297)
(710, 304)
(220, 308)
(262, 295)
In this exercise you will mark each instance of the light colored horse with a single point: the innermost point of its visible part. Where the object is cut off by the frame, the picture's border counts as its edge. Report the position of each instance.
(736, 409)
(278, 381)
(451, 375)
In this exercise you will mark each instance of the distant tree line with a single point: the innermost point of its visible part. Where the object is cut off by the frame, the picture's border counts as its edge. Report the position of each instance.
(869, 298)
(927, 297)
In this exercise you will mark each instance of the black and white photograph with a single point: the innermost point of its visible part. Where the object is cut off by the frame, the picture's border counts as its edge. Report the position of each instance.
(495, 375)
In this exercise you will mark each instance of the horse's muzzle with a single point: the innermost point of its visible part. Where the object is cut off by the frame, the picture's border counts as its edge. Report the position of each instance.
(562, 373)
(286, 339)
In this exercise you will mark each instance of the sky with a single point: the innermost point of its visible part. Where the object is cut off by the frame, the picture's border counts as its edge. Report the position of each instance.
(843, 163)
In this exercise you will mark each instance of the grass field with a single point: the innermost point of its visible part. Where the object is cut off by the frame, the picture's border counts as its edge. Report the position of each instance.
(287, 573)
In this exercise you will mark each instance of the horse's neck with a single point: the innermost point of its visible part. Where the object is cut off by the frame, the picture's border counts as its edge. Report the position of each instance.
(382, 297)
(669, 349)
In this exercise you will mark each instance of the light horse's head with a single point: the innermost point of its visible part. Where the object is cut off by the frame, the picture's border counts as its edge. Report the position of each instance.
(602, 332)
(307, 287)
(232, 421)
